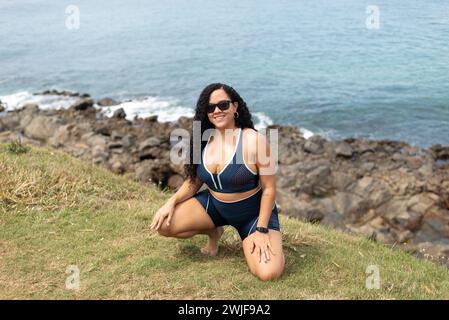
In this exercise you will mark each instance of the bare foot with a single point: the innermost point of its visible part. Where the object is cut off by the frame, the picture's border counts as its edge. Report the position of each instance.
(211, 247)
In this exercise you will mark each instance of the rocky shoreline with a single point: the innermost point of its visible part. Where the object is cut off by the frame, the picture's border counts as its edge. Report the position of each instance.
(387, 190)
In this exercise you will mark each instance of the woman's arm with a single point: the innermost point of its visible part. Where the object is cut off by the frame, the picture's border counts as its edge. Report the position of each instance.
(266, 166)
(187, 190)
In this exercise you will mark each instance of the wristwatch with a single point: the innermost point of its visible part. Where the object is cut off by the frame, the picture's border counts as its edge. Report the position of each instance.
(262, 229)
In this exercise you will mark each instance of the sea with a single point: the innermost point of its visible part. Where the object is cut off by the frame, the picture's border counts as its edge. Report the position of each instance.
(375, 69)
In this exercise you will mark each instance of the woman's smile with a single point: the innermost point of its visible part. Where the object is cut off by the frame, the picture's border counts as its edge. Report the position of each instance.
(219, 117)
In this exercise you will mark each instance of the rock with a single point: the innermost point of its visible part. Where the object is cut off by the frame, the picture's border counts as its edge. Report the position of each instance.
(59, 93)
(10, 122)
(367, 166)
(306, 211)
(334, 219)
(118, 167)
(103, 129)
(420, 203)
(287, 176)
(149, 143)
(2, 107)
(405, 187)
(350, 205)
(375, 230)
(151, 119)
(115, 145)
(61, 135)
(6, 136)
(27, 113)
(97, 140)
(119, 114)
(375, 191)
(432, 229)
(185, 122)
(405, 236)
(439, 152)
(154, 171)
(153, 153)
(413, 162)
(343, 149)
(175, 181)
(433, 251)
(116, 135)
(41, 128)
(319, 174)
(313, 147)
(99, 155)
(398, 157)
(319, 180)
(107, 102)
(405, 220)
(127, 141)
(82, 104)
(341, 180)
(426, 169)
(289, 153)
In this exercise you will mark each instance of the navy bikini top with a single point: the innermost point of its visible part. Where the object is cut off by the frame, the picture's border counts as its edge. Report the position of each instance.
(235, 176)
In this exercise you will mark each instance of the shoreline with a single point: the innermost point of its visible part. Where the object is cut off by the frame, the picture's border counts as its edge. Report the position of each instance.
(387, 190)
(149, 106)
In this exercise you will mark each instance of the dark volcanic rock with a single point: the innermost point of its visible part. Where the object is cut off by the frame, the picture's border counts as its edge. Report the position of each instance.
(82, 104)
(107, 102)
(119, 113)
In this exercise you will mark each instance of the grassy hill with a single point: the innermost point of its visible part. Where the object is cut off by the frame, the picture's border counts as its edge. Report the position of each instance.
(57, 211)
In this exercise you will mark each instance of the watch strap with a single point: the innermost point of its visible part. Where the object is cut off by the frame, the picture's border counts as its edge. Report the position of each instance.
(262, 229)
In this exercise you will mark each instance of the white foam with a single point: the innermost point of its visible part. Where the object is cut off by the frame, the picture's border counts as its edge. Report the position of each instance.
(263, 122)
(17, 100)
(306, 133)
(167, 110)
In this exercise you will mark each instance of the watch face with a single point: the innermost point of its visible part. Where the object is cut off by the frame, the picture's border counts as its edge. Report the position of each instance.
(262, 229)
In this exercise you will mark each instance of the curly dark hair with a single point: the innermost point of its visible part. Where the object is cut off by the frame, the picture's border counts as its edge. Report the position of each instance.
(243, 121)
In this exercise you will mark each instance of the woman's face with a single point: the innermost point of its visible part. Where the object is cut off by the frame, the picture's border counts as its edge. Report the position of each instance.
(222, 119)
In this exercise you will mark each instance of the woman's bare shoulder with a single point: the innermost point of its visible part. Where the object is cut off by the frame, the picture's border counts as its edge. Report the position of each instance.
(251, 138)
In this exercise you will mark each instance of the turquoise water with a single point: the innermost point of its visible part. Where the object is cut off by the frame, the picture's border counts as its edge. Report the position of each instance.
(313, 64)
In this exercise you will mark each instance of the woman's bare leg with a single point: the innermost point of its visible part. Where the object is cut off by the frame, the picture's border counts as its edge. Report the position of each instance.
(189, 219)
(275, 266)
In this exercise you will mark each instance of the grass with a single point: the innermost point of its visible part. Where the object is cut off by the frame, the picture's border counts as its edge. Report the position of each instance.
(16, 147)
(57, 211)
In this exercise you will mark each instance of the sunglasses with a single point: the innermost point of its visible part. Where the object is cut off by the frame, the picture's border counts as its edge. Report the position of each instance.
(222, 105)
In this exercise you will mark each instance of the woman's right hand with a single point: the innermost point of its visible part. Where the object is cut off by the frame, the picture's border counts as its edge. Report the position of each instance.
(165, 212)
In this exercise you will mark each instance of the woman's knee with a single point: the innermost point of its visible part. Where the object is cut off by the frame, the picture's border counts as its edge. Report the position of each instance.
(267, 274)
(166, 230)
(270, 271)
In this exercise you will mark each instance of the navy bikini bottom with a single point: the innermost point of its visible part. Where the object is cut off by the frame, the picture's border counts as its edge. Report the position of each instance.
(242, 214)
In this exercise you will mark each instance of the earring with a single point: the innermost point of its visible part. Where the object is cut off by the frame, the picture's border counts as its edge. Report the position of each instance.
(236, 115)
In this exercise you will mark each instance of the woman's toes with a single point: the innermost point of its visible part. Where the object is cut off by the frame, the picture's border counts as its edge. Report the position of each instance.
(209, 251)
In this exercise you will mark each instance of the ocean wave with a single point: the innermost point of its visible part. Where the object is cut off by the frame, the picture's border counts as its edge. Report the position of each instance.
(306, 133)
(262, 120)
(166, 109)
(19, 99)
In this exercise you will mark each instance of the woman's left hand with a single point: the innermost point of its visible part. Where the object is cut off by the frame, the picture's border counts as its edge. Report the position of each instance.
(262, 246)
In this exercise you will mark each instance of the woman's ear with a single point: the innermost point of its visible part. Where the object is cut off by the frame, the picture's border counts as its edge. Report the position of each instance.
(236, 104)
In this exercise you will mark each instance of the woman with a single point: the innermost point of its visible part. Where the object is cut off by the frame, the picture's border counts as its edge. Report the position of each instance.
(240, 193)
